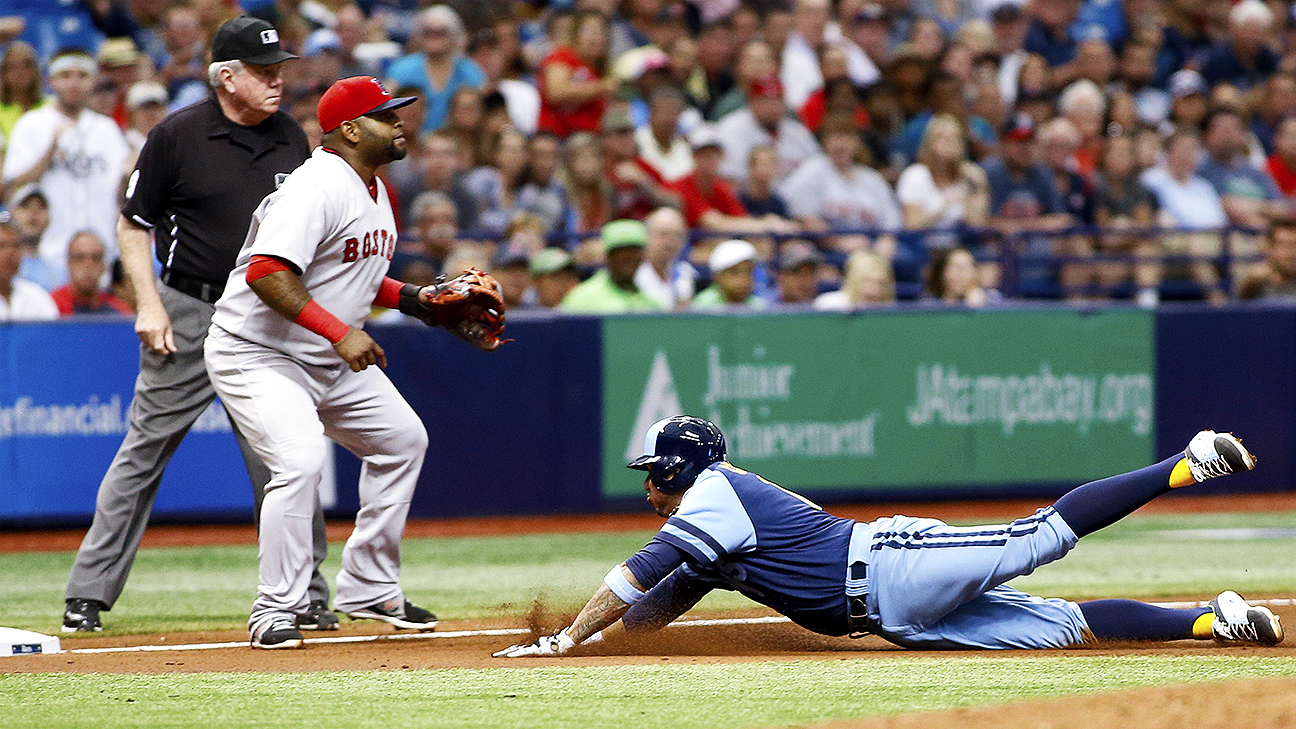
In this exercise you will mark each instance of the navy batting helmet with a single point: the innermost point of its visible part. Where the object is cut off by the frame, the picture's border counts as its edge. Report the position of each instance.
(677, 449)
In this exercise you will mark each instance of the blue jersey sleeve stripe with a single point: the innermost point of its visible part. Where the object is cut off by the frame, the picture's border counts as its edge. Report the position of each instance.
(705, 538)
(688, 543)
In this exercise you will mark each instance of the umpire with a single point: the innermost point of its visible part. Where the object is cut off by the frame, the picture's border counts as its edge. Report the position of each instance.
(201, 174)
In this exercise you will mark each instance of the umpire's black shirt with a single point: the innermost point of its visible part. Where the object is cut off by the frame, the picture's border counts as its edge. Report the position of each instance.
(198, 180)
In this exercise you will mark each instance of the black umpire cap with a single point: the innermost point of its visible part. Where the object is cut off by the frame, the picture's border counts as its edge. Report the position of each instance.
(250, 40)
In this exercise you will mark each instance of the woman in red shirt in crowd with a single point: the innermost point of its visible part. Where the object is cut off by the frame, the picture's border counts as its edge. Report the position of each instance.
(573, 89)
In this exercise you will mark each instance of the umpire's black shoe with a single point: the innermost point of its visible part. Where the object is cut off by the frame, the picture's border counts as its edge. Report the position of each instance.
(82, 616)
(317, 617)
(398, 612)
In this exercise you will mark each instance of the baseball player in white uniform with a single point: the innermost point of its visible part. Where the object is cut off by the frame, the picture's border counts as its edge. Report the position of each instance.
(287, 356)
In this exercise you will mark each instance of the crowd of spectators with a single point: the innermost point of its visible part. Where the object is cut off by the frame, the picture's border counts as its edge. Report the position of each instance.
(656, 155)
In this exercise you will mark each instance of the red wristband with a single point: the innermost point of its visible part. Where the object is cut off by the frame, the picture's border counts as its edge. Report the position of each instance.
(388, 293)
(317, 319)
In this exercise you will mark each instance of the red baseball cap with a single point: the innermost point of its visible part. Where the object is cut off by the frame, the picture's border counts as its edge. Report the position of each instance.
(353, 97)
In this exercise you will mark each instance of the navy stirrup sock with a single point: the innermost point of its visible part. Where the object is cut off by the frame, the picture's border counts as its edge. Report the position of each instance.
(1134, 620)
(1090, 507)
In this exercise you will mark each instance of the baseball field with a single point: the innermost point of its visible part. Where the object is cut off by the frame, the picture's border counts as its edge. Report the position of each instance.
(174, 650)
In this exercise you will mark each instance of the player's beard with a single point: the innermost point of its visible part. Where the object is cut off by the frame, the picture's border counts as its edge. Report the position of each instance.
(396, 149)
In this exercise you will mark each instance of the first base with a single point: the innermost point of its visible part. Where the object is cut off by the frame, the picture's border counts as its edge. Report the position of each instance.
(15, 642)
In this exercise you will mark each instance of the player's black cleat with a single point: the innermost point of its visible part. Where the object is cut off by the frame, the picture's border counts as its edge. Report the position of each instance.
(1212, 454)
(317, 617)
(277, 633)
(82, 616)
(398, 612)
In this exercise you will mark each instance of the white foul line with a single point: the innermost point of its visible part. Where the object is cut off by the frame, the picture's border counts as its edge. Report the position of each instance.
(1276, 602)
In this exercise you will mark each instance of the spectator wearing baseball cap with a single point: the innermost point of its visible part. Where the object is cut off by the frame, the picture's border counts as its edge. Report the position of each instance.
(764, 121)
(733, 282)
(1189, 101)
(511, 266)
(146, 105)
(612, 290)
(553, 276)
(798, 273)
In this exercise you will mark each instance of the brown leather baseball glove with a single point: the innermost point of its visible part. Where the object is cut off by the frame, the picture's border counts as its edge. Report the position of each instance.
(470, 305)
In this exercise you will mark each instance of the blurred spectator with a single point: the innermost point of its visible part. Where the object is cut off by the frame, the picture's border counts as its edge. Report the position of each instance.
(1248, 194)
(833, 191)
(1049, 36)
(636, 191)
(20, 299)
(29, 215)
(553, 276)
(733, 267)
(942, 189)
(612, 289)
(798, 273)
(1188, 201)
(544, 194)
(663, 151)
(1188, 102)
(951, 278)
(465, 118)
(758, 196)
(664, 274)
(868, 282)
(119, 69)
(838, 96)
(710, 202)
(1082, 103)
(182, 69)
(945, 95)
(440, 68)
(20, 84)
(1245, 59)
(755, 61)
(86, 267)
(869, 28)
(1138, 75)
(589, 189)
(496, 188)
(1276, 103)
(77, 156)
(1121, 202)
(1282, 163)
(1060, 141)
(1275, 279)
(1022, 193)
(146, 105)
(574, 88)
(764, 121)
(434, 229)
(1008, 23)
(511, 266)
(801, 73)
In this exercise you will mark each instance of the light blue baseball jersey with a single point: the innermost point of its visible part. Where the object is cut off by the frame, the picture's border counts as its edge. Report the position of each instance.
(929, 585)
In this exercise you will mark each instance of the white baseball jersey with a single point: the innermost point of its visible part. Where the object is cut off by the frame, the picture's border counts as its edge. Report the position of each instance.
(323, 221)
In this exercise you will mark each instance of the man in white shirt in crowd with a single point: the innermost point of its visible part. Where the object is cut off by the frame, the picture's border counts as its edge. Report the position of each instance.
(764, 121)
(77, 155)
(20, 299)
(663, 275)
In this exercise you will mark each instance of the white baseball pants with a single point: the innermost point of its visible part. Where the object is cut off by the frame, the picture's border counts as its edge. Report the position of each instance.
(283, 405)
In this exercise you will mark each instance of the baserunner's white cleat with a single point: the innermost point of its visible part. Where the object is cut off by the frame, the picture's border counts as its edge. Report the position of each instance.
(1212, 454)
(1237, 621)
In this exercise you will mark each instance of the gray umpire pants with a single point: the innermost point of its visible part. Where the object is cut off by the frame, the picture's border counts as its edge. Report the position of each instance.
(170, 393)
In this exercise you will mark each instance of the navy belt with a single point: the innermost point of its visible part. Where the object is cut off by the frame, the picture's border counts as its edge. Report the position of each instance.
(195, 287)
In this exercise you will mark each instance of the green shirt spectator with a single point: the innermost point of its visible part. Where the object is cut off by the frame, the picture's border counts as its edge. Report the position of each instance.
(612, 290)
(733, 268)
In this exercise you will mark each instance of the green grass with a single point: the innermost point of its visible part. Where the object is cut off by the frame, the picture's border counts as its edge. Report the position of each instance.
(645, 697)
(178, 589)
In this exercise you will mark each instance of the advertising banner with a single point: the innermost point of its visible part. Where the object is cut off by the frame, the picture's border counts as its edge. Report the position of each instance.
(913, 400)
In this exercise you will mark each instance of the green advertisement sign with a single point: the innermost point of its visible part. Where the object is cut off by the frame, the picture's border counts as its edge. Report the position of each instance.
(885, 400)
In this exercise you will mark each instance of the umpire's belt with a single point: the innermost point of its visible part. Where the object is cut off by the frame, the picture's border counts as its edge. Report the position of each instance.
(195, 287)
(857, 581)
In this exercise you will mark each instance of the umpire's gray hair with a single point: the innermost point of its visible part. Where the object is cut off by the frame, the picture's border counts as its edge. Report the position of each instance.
(213, 71)
(446, 15)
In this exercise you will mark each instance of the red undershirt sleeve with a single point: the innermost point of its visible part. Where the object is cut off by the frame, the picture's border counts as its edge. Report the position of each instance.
(388, 293)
